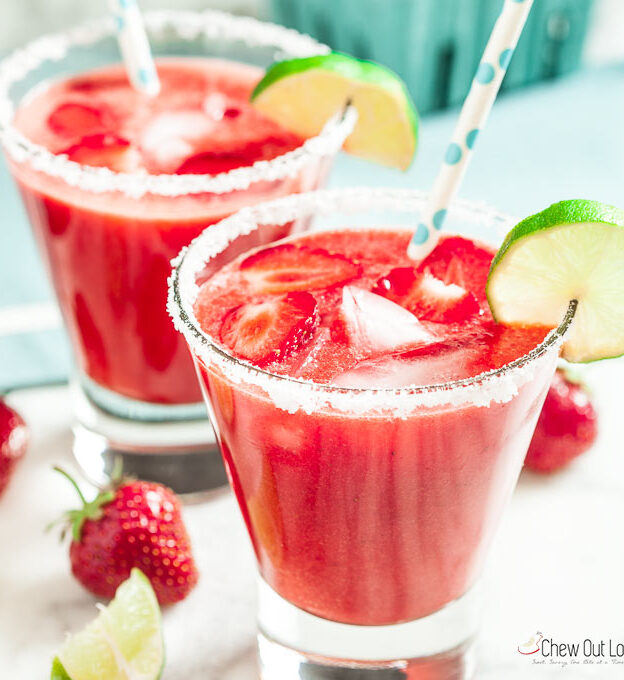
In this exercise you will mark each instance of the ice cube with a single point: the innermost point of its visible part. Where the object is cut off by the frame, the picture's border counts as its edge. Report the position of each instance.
(375, 324)
(403, 371)
(169, 138)
(371, 374)
(215, 105)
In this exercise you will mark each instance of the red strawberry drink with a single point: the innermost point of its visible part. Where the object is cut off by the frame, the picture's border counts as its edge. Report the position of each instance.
(109, 256)
(372, 415)
(109, 253)
(115, 184)
(335, 309)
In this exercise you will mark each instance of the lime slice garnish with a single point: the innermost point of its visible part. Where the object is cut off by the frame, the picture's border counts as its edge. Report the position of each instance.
(573, 250)
(123, 643)
(303, 94)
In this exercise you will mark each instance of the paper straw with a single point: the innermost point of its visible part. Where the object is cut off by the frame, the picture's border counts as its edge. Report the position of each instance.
(472, 118)
(134, 46)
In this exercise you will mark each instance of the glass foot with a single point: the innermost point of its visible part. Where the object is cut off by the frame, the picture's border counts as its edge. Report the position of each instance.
(181, 454)
(281, 663)
(295, 645)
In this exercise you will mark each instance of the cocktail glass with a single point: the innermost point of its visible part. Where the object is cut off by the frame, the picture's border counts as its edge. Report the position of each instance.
(370, 510)
(108, 237)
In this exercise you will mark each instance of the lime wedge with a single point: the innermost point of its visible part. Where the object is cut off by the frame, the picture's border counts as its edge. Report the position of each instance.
(123, 643)
(58, 672)
(572, 250)
(303, 94)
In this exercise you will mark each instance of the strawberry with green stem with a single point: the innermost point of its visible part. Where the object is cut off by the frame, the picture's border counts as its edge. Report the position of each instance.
(135, 524)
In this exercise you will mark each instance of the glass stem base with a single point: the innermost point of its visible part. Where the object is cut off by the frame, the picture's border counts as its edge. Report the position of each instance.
(296, 645)
(181, 454)
(281, 663)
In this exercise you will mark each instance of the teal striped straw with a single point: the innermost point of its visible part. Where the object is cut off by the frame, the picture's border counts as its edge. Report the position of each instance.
(485, 86)
(134, 46)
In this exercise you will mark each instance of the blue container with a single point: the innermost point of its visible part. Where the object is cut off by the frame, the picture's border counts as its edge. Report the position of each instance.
(435, 45)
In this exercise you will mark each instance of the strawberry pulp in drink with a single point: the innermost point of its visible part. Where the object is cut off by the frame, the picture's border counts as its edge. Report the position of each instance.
(366, 517)
(109, 253)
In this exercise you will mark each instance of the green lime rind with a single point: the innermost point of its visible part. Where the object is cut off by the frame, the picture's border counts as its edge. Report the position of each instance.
(572, 250)
(358, 71)
(343, 64)
(58, 672)
(572, 211)
(593, 360)
(349, 67)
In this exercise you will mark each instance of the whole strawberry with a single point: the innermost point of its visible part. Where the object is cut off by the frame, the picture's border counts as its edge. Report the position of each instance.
(13, 443)
(566, 428)
(137, 524)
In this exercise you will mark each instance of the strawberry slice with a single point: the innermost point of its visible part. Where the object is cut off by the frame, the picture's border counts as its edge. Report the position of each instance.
(104, 151)
(76, 120)
(211, 163)
(270, 330)
(397, 284)
(236, 153)
(288, 267)
(232, 112)
(426, 296)
(462, 262)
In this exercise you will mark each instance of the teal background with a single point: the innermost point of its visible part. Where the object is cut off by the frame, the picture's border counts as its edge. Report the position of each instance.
(435, 45)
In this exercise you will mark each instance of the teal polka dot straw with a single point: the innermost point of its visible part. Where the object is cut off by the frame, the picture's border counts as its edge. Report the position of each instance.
(134, 46)
(474, 113)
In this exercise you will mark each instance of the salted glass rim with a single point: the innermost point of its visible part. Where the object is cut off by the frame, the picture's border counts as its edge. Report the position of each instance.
(495, 385)
(212, 24)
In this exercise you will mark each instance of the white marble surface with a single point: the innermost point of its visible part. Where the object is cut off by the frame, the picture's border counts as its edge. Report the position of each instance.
(25, 19)
(557, 566)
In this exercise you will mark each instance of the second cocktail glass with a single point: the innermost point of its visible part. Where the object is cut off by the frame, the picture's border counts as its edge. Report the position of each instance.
(108, 237)
(370, 510)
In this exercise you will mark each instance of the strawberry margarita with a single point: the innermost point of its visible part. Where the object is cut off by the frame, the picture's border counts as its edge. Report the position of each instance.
(365, 520)
(109, 255)
(372, 415)
(116, 183)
